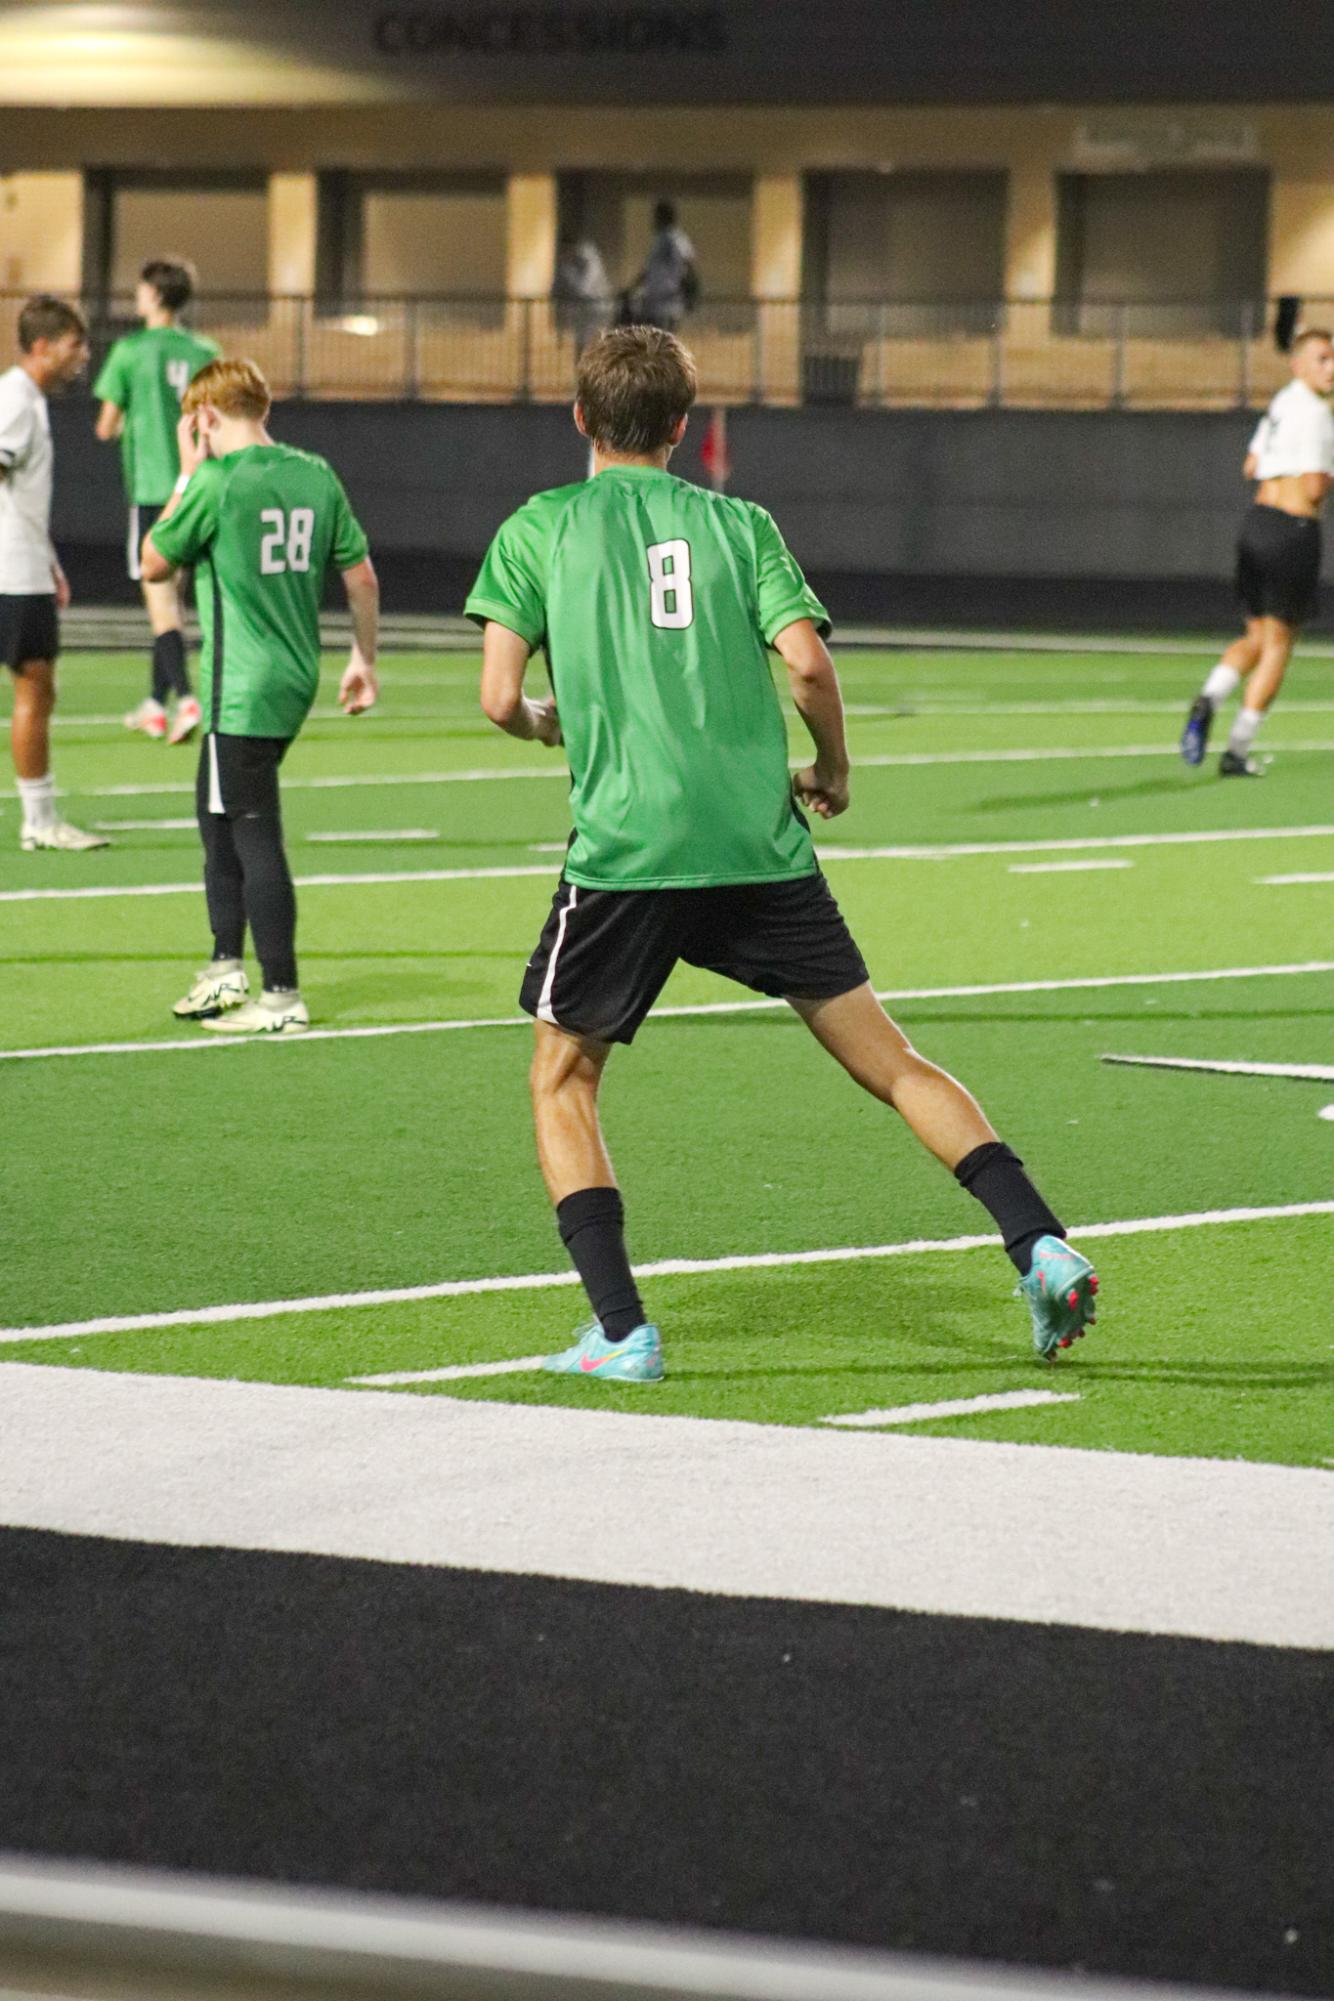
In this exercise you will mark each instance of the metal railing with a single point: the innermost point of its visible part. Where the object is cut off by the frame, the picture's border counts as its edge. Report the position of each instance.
(872, 353)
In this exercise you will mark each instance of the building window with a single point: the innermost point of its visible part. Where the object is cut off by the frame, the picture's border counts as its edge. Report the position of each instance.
(410, 236)
(1161, 254)
(218, 221)
(925, 249)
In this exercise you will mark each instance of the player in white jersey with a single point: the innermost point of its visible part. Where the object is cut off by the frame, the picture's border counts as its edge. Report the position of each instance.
(1278, 554)
(53, 345)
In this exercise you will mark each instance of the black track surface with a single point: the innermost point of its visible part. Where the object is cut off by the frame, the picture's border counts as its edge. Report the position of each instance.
(1043, 1795)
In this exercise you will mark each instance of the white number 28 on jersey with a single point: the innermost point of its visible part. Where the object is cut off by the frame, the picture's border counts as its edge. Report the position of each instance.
(285, 544)
(670, 598)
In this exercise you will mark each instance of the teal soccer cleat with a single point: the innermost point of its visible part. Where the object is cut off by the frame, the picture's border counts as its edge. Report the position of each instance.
(637, 1359)
(1061, 1288)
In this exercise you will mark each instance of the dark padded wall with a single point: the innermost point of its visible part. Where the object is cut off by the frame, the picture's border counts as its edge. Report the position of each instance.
(1007, 494)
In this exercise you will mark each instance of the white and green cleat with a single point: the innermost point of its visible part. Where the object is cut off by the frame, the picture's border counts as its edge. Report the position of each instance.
(271, 1014)
(61, 836)
(218, 987)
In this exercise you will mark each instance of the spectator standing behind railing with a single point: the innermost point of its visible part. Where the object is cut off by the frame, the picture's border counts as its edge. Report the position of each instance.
(582, 290)
(668, 285)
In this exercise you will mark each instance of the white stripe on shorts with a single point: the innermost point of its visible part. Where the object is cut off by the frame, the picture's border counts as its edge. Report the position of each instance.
(215, 804)
(544, 1009)
(132, 546)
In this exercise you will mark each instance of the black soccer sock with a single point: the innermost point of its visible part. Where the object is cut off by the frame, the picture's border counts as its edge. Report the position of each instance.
(270, 900)
(995, 1175)
(169, 675)
(592, 1228)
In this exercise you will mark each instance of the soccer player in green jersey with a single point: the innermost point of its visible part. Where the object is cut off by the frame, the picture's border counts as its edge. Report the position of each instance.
(141, 384)
(655, 602)
(262, 523)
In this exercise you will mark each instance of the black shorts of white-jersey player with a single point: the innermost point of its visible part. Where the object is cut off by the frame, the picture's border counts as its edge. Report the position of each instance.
(605, 955)
(1291, 457)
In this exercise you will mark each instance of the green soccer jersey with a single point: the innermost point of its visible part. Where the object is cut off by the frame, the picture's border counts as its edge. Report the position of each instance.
(262, 525)
(145, 375)
(655, 601)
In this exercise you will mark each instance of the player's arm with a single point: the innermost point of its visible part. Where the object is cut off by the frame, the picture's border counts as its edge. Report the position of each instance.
(813, 679)
(154, 566)
(505, 657)
(113, 392)
(359, 688)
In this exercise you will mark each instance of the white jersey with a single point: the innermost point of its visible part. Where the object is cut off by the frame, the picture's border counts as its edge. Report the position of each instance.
(28, 462)
(1295, 435)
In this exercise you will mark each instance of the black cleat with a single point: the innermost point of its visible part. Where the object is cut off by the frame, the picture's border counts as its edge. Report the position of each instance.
(1232, 766)
(1195, 736)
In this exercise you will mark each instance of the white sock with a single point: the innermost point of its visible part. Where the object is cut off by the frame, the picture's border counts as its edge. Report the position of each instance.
(1242, 734)
(1222, 682)
(39, 802)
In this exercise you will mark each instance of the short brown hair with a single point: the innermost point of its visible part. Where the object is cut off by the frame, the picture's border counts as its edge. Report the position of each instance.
(635, 386)
(172, 278)
(1299, 340)
(47, 318)
(233, 388)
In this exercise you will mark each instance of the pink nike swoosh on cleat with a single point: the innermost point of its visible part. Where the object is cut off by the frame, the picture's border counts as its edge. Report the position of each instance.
(586, 1367)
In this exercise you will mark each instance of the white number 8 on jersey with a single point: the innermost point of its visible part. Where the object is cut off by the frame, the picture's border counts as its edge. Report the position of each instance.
(671, 600)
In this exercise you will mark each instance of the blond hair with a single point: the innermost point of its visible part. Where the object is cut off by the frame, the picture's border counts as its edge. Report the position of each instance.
(635, 386)
(232, 388)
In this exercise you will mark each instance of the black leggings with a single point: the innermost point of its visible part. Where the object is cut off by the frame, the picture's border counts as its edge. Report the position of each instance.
(246, 877)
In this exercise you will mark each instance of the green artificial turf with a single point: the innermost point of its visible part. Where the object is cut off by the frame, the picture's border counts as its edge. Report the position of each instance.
(178, 1178)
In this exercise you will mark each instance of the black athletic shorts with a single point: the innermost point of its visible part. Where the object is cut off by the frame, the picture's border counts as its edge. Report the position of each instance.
(141, 520)
(238, 776)
(1278, 565)
(29, 629)
(605, 954)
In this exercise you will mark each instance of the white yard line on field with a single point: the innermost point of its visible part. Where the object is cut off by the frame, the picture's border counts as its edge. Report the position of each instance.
(948, 850)
(382, 1031)
(458, 1372)
(190, 826)
(1033, 755)
(487, 776)
(1285, 881)
(493, 775)
(1123, 1542)
(925, 1413)
(1067, 868)
(945, 851)
(1318, 1073)
(100, 891)
(458, 1288)
(388, 834)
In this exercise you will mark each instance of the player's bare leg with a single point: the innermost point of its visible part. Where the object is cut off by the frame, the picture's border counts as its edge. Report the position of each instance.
(30, 742)
(30, 723)
(564, 1079)
(619, 1344)
(1221, 684)
(1057, 1281)
(1276, 641)
(876, 1054)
